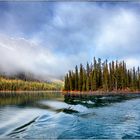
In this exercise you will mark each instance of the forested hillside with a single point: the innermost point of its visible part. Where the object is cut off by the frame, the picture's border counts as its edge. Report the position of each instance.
(104, 76)
(22, 83)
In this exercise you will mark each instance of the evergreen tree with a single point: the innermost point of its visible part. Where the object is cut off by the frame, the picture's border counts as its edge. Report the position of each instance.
(138, 81)
(76, 78)
(70, 80)
(91, 81)
(81, 78)
(88, 69)
(99, 74)
(105, 76)
(84, 81)
(110, 77)
(87, 84)
(94, 80)
(134, 79)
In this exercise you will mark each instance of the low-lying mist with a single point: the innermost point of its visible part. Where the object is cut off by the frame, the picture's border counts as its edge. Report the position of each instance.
(23, 56)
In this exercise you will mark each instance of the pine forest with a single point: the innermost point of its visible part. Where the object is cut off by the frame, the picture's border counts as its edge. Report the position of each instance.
(103, 76)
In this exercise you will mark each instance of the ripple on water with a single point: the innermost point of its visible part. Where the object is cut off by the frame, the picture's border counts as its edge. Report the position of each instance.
(21, 129)
(52, 127)
(54, 119)
(57, 105)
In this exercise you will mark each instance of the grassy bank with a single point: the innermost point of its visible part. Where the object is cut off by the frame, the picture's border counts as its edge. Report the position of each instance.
(21, 85)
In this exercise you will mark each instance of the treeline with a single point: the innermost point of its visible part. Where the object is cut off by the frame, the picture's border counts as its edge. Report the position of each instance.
(21, 85)
(104, 76)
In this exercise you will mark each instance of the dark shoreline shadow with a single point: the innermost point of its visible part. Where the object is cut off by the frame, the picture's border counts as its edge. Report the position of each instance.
(90, 101)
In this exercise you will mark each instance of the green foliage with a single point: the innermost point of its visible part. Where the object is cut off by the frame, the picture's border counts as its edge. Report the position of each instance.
(103, 76)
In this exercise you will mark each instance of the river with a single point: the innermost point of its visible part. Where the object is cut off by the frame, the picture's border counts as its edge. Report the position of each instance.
(54, 116)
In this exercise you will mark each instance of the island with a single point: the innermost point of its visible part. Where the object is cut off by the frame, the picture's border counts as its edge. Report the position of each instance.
(102, 77)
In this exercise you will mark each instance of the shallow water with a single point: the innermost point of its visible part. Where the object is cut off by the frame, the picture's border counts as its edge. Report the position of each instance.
(51, 115)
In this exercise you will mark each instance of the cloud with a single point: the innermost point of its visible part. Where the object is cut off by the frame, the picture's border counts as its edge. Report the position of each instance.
(119, 36)
(52, 38)
(132, 62)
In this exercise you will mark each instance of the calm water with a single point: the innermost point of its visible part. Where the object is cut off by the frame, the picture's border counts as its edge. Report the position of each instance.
(51, 115)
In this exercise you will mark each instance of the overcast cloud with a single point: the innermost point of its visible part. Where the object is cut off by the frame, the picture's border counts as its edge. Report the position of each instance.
(51, 38)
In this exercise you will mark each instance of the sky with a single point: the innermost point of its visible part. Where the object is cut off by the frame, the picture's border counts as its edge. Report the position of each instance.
(50, 38)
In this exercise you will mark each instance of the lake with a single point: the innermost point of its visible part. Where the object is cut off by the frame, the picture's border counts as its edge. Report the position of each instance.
(52, 115)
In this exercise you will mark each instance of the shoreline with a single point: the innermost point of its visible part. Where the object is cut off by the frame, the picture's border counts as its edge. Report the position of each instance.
(74, 93)
(29, 91)
(119, 92)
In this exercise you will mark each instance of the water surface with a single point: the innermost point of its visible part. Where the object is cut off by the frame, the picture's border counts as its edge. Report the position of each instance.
(52, 115)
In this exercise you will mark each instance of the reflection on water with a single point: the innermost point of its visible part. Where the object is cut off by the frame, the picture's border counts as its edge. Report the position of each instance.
(12, 98)
(52, 115)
